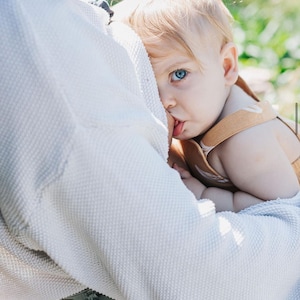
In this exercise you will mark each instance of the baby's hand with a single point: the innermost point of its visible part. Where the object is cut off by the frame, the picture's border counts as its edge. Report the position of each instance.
(193, 184)
(184, 174)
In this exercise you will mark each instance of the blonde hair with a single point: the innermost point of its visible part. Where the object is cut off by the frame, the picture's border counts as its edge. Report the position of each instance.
(183, 25)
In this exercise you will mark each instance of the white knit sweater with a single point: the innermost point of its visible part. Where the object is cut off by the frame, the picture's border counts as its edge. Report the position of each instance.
(86, 196)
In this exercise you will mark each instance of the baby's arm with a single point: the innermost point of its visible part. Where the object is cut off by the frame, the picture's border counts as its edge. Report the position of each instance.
(228, 201)
(256, 163)
(224, 200)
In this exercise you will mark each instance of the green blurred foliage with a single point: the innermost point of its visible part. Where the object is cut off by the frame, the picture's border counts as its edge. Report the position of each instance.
(267, 33)
(113, 2)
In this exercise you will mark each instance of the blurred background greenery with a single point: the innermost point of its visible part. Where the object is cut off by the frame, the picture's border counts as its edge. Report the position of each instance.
(268, 36)
(267, 33)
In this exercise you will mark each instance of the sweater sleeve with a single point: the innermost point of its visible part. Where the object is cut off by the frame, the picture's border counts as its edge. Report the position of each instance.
(87, 198)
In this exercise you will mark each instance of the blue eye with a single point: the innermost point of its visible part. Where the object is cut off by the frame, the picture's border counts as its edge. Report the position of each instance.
(178, 75)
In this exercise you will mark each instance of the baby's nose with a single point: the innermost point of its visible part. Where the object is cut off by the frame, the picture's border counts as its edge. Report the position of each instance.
(167, 100)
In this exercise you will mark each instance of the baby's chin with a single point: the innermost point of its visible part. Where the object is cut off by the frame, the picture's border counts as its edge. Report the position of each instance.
(183, 136)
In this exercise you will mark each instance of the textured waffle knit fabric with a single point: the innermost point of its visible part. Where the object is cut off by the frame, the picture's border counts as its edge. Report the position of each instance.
(87, 199)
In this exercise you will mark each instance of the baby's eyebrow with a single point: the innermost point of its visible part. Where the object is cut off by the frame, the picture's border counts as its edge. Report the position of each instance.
(161, 67)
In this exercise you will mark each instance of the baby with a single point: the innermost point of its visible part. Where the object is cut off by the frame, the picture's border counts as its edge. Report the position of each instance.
(232, 142)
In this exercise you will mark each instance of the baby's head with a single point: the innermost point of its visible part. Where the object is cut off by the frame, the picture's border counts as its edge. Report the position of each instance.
(184, 25)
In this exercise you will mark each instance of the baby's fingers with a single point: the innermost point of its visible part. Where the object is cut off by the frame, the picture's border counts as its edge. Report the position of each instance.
(184, 174)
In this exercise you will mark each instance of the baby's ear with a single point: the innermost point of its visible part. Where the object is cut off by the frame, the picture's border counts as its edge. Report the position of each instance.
(229, 55)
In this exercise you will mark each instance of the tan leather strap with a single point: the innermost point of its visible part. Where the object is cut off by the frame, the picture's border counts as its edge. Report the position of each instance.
(261, 112)
(200, 168)
(244, 86)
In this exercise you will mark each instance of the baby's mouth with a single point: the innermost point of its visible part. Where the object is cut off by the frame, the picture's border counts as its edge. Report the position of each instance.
(178, 127)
